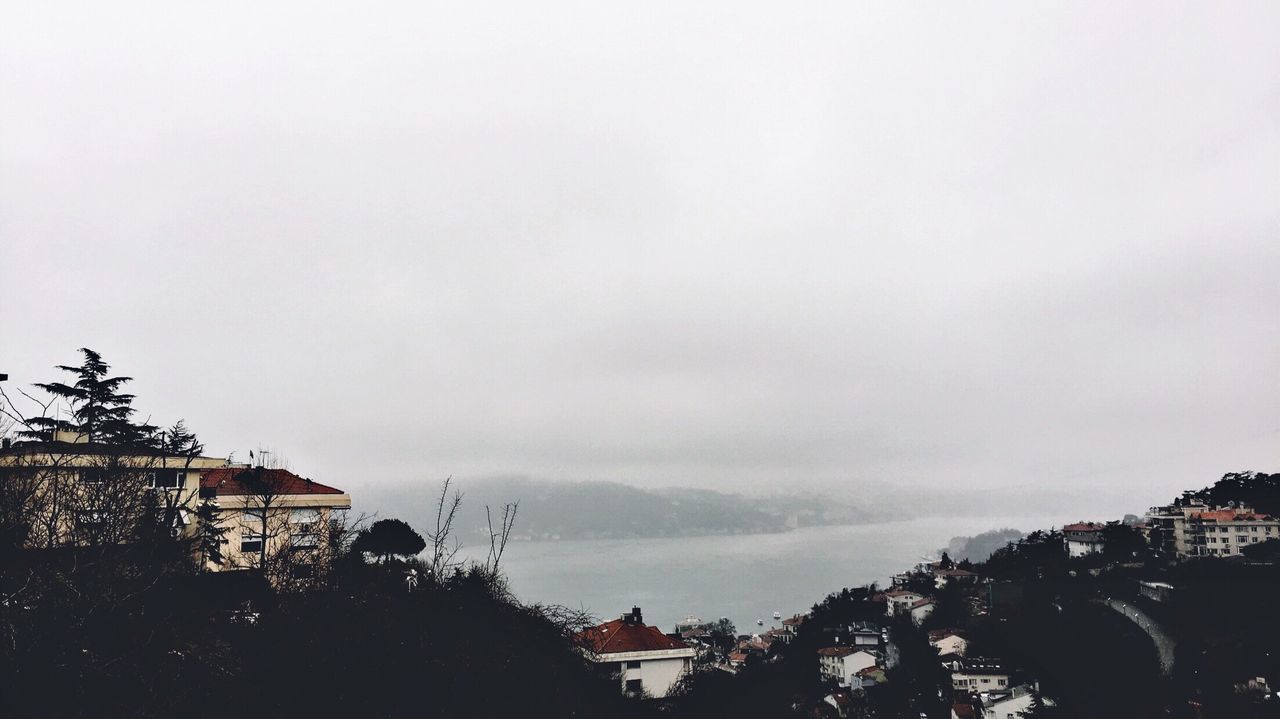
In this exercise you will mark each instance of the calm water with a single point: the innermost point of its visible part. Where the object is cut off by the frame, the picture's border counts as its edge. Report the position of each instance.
(744, 578)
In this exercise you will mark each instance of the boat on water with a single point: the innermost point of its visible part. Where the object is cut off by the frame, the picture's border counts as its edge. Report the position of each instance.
(777, 615)
(760, 622)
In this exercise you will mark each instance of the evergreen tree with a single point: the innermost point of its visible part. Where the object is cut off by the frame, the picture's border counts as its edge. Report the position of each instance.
(389, 537)
(100, 411)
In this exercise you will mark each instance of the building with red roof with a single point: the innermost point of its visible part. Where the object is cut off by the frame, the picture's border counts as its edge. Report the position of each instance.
(267, 511)
(647, 662)
(1083, 538)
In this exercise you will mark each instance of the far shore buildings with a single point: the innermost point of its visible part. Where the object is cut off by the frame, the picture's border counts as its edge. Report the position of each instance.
(102, 490)
(646, 661)
(1190, 528)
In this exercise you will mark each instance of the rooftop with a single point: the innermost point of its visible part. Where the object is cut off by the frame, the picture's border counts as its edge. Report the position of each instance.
(628, 634)
(254, 480)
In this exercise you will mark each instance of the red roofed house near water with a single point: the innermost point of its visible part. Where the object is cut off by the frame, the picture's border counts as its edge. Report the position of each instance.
(265, 511)
(647, 661)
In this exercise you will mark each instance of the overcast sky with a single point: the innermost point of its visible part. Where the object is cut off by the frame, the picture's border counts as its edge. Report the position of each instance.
(732, 245)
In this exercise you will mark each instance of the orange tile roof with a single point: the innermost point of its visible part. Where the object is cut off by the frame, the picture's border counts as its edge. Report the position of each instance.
(1230, 515)
(622, 635)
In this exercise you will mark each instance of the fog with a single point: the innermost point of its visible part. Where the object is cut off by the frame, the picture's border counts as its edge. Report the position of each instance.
(875, 249)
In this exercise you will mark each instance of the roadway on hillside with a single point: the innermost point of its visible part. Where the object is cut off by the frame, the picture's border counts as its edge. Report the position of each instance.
(1164, 643)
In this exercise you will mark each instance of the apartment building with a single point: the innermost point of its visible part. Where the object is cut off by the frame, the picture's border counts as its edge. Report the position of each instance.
(84, 493)
(1190, 528)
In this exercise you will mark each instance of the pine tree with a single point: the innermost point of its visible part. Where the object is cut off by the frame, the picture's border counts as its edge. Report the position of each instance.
(100, 412)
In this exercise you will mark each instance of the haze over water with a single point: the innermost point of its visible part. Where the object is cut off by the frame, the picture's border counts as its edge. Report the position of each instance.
(744, 577)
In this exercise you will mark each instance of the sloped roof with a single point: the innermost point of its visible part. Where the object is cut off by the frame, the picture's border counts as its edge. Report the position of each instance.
(622, 635)
(242, 480)
(1083, 527)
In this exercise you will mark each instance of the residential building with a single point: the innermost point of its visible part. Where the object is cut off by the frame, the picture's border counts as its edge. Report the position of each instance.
(899, 601)
(647, 662)
(104, 490)
(943, 577)
(865, 634)
(267, 511)
(1009, 704)
(1165, 527)
(921, 609)
(1225, 532)
(981, 674)
(101, 490)
(1083, 539)
(841, 664)
(948, 641)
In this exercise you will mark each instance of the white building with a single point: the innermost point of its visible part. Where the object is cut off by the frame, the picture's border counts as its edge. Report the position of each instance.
(1226, 532)
(842, 664)
(647, 662)
(1083, 539)
(921, 609)
(948, 641)
(899, 601)
(1008, 704)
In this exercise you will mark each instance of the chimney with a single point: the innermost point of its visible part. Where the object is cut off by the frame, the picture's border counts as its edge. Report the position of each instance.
(8, 443)
(636, 617)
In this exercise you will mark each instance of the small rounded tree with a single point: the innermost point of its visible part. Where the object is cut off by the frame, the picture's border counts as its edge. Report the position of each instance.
(387, 538)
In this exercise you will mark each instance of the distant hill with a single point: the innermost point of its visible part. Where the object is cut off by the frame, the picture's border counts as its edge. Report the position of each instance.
(608, 510)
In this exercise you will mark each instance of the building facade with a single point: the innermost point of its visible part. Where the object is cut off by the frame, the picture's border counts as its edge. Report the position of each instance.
(646, 661)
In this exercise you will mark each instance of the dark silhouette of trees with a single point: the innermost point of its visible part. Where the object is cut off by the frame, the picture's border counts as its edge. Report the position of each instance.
(386, 538)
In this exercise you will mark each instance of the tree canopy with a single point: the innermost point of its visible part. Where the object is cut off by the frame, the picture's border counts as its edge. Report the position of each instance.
(388, 537)
(100, 411)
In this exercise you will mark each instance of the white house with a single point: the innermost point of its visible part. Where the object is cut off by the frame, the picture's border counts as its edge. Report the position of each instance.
(1083, 538)
(948, 641)
(921, 609)
(899, 601)
(648, 662)
(843, 663)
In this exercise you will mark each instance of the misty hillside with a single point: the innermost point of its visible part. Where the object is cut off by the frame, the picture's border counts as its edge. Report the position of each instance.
(594, 510)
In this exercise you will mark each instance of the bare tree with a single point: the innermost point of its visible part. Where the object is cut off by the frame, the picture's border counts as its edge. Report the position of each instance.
(445, 546)
(498, 538)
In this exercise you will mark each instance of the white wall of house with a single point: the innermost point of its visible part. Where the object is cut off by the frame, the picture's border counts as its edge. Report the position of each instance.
(1076, 548)
(979, 682)
(951, 644)
(1011, 708)
(919, 614)
(657, 671)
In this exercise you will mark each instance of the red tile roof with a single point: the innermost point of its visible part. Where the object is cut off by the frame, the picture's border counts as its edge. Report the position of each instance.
(241, 480)
(922, 602)
(1083, 527)
(623, 635)
(963, 710)
(901, 593)
(836, 651)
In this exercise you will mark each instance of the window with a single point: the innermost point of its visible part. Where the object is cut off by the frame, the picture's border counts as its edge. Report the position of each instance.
(93, 476)
(305, 520)
(304, 541)
(633, 665)
(634, 686)
(168, 478)
(250, 542)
